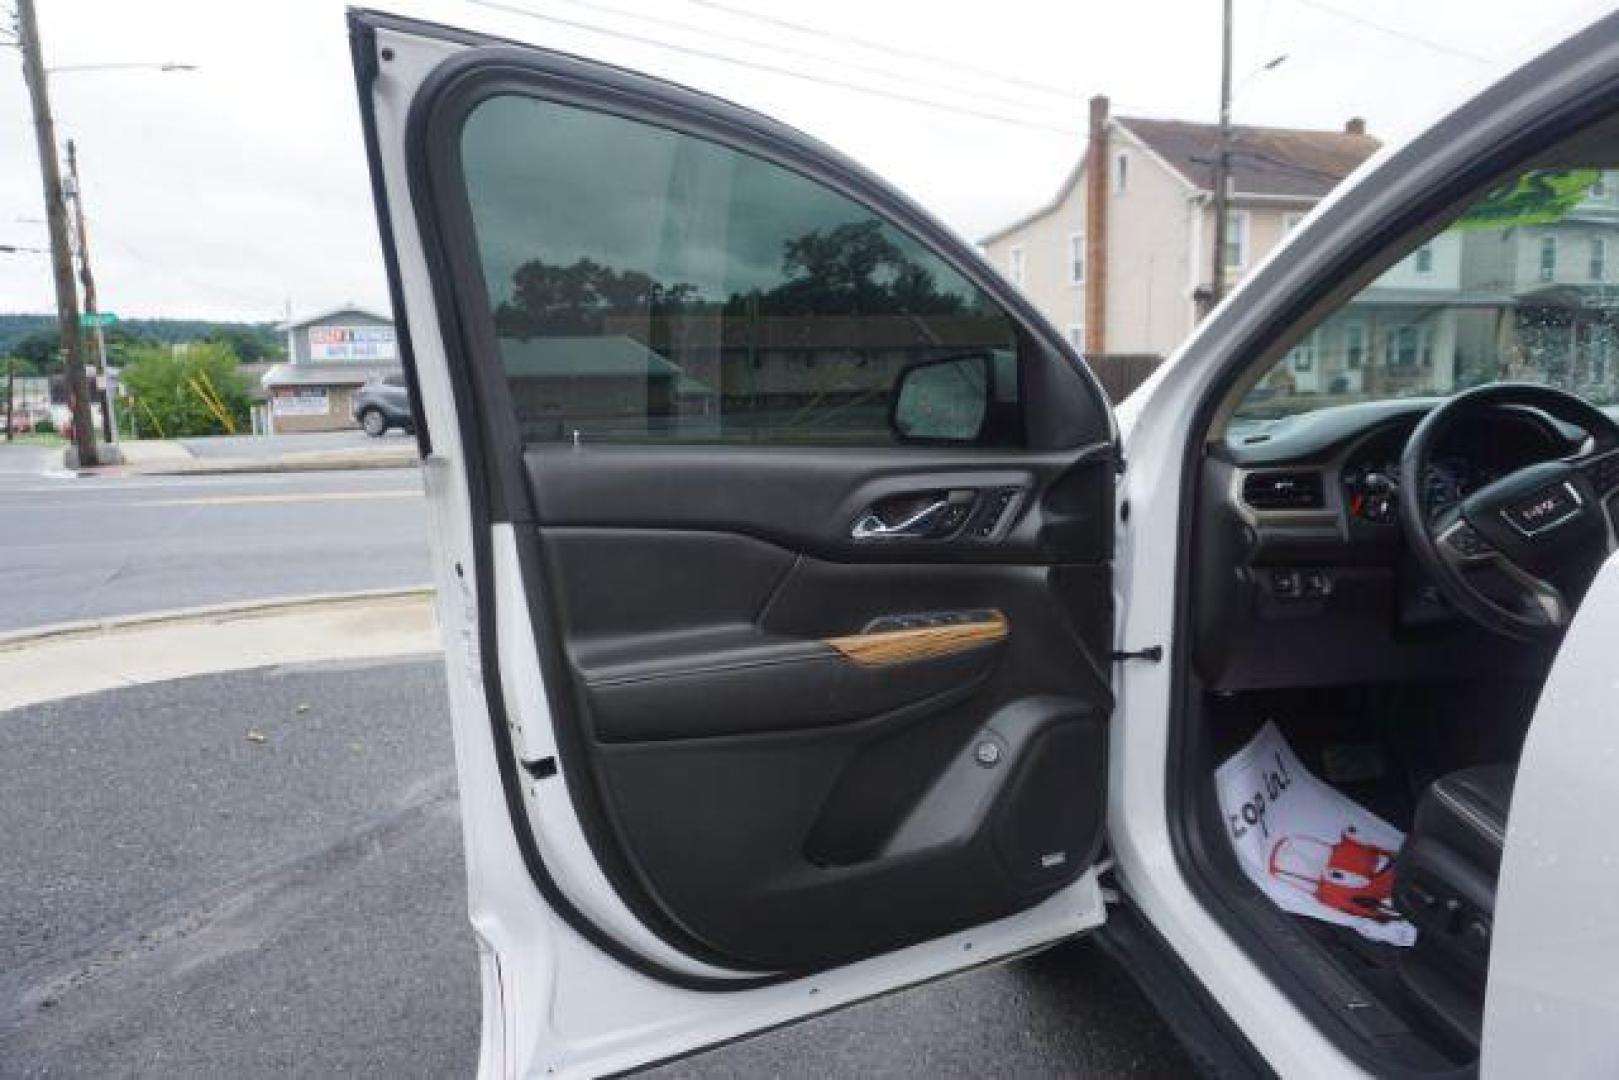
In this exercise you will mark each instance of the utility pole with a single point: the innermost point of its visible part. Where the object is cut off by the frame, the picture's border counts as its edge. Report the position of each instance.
(1222, 164)
(67, 299)
(109, 419)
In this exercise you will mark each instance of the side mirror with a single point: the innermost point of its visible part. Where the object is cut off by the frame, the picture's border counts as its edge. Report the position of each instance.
(942, 401)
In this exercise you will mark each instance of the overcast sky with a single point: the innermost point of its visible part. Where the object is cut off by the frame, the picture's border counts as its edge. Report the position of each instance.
(238, 189)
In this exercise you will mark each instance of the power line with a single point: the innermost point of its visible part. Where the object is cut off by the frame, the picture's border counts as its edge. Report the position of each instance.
(723, 58)
(1394, 31)
(819, 57)
(206, 285)
(885, 47)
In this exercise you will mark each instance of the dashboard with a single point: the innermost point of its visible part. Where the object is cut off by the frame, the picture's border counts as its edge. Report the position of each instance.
(1301, 576)
(1342, 470)
(1471, 456)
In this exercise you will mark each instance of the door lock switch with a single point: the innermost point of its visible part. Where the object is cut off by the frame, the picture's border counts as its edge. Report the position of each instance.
(996, 504)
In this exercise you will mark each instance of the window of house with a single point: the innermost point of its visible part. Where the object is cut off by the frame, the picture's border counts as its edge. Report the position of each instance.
(1548, 258)
(1076, 336)
(1121, 173)
(1601, 355)
(651, 286)
(1422, 260)
(1302, 356)
(1076, 258)
(1599, 259)
(1354, 346)
(1014, 265)
(1409, 346)
(1236, 239)
(1290, 222)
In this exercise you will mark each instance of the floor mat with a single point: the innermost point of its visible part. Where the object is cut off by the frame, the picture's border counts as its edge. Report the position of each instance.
(1308, 847)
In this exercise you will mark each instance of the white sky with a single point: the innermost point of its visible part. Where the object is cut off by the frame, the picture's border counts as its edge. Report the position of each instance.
(234, 190)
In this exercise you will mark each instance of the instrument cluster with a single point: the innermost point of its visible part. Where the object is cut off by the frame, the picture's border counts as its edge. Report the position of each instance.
(1372, 486)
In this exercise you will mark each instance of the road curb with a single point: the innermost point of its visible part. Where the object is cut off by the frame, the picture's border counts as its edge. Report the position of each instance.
(230, 466)
(13, 640)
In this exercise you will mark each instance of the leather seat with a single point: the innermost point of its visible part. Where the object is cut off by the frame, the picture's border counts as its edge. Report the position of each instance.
(1445, 883)
(1468, 811)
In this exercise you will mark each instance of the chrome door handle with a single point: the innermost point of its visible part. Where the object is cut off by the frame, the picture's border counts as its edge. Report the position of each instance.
(870, 526)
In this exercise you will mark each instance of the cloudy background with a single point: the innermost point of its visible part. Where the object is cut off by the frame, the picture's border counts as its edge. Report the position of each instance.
(239, 190)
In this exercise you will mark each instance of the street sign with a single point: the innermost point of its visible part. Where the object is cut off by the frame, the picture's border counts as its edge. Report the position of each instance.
(97, 318)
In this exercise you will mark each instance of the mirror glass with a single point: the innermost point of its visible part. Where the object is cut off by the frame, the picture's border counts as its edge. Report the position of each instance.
(943, 400)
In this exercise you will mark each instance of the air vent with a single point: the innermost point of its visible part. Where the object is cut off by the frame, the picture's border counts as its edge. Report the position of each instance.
(1283, 491)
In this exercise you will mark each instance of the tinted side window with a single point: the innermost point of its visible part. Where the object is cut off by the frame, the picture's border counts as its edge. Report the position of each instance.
(651, 286)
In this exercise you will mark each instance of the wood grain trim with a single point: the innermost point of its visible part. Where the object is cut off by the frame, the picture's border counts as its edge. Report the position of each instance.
(921, 643)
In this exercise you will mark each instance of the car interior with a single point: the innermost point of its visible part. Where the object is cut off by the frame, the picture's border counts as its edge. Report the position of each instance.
(1394, 521)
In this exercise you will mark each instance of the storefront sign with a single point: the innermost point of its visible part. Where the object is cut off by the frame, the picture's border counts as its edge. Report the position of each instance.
(352, 343)
(300, 401)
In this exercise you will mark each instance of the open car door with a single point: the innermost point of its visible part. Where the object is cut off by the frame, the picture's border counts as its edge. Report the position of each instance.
(772, 534)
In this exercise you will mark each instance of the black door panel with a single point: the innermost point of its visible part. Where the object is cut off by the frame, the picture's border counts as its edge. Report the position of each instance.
(782, 853)
(783, 803)
(809, 498)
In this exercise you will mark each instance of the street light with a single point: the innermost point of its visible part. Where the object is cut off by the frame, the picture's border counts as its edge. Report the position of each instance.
(1270, 65)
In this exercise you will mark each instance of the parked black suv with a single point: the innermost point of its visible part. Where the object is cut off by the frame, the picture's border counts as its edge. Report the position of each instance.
(382, 403)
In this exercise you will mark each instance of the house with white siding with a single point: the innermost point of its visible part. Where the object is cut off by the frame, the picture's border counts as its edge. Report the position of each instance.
(1120, 258)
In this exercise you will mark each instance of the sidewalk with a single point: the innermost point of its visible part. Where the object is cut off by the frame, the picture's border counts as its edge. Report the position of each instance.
(80, 658)
(167, 457)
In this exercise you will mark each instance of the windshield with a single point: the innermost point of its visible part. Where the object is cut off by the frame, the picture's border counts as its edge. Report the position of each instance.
(1521, 287)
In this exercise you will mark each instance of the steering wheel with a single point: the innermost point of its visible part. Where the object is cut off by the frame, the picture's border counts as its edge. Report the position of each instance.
(1517, 555)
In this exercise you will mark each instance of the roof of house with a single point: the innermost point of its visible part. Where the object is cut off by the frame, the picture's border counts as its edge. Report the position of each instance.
(1266, 162)
(335, 373)
(614, 356)
(341, 309)
(1277, 162)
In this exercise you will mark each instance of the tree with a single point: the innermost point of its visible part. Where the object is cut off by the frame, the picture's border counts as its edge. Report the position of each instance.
(185, 390)
(251, 345)
(42, 348)
(855, 268)
(561, 301)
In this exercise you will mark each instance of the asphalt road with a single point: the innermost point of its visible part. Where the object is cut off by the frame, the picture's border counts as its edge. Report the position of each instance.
(176, 899)
(74, 548)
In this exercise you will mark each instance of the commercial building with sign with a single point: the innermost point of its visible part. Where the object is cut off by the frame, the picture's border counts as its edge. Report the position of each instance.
(331, 354)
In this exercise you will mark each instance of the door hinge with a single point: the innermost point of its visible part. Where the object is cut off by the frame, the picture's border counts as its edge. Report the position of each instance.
(1152, 654)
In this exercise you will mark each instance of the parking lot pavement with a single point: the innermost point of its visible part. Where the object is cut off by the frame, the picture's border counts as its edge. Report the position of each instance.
(181, 897)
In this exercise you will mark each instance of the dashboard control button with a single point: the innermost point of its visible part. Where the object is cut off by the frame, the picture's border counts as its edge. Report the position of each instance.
(1284, 583)
(1466, 541)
